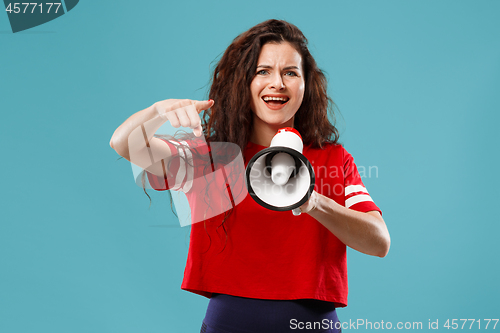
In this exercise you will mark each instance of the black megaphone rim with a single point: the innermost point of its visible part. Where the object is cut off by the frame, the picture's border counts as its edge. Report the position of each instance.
(292, 152)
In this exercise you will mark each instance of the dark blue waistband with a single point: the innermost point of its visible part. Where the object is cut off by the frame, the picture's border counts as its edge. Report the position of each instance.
(226, 313)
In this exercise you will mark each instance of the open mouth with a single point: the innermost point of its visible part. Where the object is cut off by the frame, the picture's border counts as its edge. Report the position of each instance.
(275, 101)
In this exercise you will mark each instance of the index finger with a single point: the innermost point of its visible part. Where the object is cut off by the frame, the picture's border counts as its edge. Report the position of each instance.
(203, 105)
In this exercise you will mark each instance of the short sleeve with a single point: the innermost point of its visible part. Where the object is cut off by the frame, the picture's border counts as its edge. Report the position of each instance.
(178, 175)
(355, 193)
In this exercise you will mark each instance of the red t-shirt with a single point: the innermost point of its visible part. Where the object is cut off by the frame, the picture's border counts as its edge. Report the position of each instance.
(269, 254)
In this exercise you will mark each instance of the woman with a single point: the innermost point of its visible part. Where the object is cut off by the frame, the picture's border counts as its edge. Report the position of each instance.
(268, 271)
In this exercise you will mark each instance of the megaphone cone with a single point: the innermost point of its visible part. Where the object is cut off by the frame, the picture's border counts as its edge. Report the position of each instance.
(280, 178)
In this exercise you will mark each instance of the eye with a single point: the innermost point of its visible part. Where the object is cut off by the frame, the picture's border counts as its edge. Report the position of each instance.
(261, 72)
(291, 73)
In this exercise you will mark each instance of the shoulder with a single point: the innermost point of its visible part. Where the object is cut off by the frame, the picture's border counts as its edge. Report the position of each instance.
(327, 146)
(329, 149)
(330, 154)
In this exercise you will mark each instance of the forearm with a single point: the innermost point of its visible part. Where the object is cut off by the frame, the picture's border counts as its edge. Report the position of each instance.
(135, 132)
(364, 232)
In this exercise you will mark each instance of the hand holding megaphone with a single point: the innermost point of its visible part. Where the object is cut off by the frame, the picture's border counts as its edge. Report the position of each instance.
(280, 178)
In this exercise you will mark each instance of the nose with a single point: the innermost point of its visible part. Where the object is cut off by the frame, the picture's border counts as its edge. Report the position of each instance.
(277, 82)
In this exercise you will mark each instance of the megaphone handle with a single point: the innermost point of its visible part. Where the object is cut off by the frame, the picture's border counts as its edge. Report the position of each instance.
(297, 211)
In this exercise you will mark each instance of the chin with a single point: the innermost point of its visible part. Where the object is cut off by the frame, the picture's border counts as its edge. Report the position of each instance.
(277, 122)
(274, 118)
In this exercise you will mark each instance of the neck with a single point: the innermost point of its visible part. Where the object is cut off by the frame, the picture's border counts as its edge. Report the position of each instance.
(263, 133)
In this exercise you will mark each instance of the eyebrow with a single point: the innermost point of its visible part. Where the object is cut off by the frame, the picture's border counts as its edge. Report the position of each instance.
(288, 67)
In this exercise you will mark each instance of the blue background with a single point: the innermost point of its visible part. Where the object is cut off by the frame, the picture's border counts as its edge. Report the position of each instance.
(417, 86)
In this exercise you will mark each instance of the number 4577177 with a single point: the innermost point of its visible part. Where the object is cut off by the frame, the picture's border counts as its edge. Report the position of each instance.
(454, 323)
(16, 8)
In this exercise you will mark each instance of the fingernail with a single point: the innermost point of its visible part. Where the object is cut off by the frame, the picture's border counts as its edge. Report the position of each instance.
(210, 100)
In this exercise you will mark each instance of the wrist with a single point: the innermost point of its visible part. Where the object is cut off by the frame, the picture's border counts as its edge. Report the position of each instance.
(156, 110)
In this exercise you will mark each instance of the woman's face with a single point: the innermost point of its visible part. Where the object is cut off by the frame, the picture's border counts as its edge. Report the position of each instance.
(279, 76)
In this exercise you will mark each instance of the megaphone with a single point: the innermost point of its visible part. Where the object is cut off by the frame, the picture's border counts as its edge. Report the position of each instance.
(280, 178)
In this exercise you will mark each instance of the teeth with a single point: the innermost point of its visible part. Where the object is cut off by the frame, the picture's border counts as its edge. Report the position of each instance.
(267, 98)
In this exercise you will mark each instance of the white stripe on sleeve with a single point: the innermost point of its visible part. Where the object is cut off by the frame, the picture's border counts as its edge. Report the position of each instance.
(183, 150)
(190, 170)
(357, 199)
(354, 188)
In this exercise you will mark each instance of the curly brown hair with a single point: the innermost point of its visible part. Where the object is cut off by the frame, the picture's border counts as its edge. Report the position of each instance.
(231, 117)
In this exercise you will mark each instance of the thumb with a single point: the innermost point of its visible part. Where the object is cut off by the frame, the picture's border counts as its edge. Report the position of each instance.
(203, 105)
(310, 204)
(198, 130)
